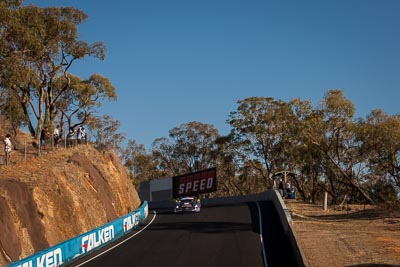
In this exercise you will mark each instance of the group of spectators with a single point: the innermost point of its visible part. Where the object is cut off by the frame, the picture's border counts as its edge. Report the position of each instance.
(75, 136)
(286, 191)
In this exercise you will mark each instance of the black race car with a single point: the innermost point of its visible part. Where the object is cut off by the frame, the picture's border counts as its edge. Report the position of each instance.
(188, 203)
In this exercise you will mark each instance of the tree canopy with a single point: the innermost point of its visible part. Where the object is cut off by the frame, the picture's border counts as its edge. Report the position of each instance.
(38, 49)
(325, 147)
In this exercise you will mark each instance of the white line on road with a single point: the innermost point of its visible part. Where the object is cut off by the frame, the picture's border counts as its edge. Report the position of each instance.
(120, 243)
(261, 236)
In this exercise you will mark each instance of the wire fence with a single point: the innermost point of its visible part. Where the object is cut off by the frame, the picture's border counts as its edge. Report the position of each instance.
(31, 149)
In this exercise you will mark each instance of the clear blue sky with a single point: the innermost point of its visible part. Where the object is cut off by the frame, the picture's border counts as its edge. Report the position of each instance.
(175, 61)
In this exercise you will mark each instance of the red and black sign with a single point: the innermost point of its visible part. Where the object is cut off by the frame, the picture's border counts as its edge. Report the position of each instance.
(195, 183)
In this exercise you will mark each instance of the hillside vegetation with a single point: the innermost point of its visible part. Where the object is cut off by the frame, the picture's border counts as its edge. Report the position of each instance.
(59, 195)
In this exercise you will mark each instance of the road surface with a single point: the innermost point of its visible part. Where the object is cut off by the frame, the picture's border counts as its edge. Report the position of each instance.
(227, 235)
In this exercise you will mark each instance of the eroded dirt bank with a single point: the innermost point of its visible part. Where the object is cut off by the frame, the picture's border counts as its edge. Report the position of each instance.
(60, 195)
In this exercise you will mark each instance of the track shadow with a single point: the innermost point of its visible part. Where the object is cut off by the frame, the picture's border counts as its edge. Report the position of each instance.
(202, 227)
(279, 251)
(359, 215)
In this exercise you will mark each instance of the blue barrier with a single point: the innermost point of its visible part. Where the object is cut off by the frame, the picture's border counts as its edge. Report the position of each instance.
(86, 243)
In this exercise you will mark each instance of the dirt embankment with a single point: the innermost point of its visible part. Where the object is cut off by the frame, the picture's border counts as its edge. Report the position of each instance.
(352, 236)
(59, 195)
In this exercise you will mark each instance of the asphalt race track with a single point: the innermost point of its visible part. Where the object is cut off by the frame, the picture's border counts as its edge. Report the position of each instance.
(227, 235)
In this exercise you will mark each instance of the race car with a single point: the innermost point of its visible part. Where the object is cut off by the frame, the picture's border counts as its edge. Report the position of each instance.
(188, 203)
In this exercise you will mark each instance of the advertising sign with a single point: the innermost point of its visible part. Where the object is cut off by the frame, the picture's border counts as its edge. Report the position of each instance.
(195, 183)
(72, 249)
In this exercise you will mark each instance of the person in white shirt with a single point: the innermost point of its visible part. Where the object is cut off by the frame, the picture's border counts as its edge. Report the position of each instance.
(56, 135)
(81, 134)
(288, 187)
(7, 148)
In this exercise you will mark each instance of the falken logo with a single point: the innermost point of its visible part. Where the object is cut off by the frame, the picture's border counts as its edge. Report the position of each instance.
(50, 259)
(96, 239)
(131, 221)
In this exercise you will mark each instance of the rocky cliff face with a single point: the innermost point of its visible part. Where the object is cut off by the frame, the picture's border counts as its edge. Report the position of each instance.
(60, 195)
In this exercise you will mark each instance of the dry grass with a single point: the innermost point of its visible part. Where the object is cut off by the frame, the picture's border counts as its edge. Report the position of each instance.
(357, 235)
(25, 147)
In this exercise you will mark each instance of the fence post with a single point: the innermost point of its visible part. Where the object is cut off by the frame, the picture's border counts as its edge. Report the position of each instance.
(25, 149)
(65, 139)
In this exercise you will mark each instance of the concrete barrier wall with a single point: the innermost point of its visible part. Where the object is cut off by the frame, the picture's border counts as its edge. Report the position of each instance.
(287, 222)
(156, 190)
(283, 213)
(72, 249)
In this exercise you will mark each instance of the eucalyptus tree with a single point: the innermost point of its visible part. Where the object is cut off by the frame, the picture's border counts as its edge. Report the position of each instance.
(139, 163)
(261, 133)
(343, 163)
(191, 147)
(78, 102)
(230, 182)
(38, 48)
(304, 158)
(164, 155)
(380, 138)
(104, 133)
(11, 112)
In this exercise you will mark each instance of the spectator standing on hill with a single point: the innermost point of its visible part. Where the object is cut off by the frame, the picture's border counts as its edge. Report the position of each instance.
(56, 135)
(43, 136)
(288, 187)
(81, 134)
(71, 137)
(7, 148)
